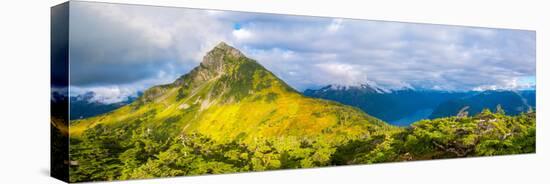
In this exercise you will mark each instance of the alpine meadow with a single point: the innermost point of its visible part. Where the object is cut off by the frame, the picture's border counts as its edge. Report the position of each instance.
(194, 92)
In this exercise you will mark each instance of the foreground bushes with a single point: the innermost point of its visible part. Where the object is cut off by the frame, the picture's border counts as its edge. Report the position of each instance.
(107, 154)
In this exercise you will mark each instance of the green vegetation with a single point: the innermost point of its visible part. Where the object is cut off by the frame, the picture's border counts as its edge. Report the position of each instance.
(108, 154)
(232, 115)
(485, 134)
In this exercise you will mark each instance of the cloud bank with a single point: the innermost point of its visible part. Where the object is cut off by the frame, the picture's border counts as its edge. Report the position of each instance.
(130, 48)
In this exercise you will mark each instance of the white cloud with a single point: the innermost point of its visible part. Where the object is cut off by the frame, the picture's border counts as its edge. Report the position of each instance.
(335, 25)
(113, 44)
(398, 55)
(110, 95)
(115, 93)
(242, 34)
(507, 84)
(338, 73)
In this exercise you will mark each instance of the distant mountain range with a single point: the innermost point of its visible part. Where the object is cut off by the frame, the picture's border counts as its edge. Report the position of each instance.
(512, 102)
(83, 106)
(405, 106)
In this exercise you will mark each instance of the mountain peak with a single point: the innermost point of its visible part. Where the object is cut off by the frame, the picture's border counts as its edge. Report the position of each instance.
(222, 45)
(228, 66)
(221, 56)
(367, 87)
(225, 49)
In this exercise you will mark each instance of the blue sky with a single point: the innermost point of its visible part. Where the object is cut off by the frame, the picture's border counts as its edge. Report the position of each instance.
(118, 50)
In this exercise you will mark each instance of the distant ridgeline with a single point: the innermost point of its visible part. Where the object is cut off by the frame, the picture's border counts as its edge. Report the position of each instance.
(230, 114)
(403, 107)
(84, 106)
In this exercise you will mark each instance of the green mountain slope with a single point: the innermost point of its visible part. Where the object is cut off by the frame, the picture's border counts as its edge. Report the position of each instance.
(230, 96)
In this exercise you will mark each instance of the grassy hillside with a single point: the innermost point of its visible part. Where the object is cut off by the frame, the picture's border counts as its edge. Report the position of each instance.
(230, 96)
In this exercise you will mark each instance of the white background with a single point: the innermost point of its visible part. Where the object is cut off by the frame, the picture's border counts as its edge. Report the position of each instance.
(24, 90)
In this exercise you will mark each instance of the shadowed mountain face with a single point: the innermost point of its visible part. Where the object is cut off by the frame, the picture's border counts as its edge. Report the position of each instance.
(511, 102)
(403, 107)
(400, 107)
(229, 96)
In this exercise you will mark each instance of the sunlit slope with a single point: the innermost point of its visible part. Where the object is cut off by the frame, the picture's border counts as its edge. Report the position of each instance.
(231, 97)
